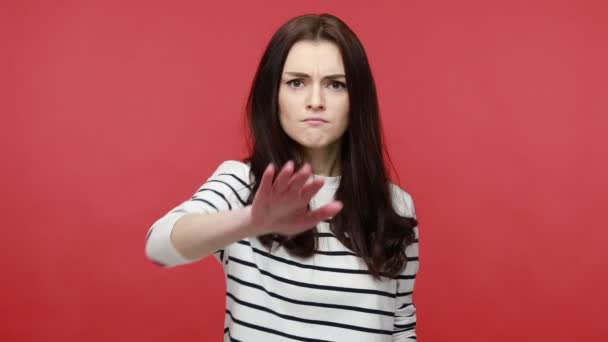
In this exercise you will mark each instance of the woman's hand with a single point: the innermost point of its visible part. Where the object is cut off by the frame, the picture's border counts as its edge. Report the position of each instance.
(281, 207)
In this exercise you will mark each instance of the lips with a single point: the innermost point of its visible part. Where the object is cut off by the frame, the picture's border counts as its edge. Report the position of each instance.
(314, 119)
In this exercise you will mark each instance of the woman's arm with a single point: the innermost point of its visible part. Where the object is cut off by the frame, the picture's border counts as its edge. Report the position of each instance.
(405, 310)
(198, 235)
(213, 218)
(217, 215)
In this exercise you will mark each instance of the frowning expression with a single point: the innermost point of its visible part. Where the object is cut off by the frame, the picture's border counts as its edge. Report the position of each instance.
(313, 98)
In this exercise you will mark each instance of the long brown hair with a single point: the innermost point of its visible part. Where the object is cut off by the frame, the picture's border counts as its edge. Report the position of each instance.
(368, 224)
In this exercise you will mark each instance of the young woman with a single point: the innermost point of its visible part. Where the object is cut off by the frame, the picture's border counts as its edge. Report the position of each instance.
(316, 243)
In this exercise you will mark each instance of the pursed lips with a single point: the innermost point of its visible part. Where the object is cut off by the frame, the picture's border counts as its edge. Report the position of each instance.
(314, 119)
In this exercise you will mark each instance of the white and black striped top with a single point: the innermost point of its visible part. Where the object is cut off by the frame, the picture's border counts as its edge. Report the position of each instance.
(279, 297)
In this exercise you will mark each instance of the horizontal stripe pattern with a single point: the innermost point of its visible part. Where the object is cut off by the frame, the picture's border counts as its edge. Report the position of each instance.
(314, 267)
(241, 282)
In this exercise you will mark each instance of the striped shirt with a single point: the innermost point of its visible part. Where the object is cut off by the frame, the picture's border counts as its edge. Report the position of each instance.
(278, 297)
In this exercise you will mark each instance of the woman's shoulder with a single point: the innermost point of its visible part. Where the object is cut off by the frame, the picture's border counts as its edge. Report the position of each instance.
(404, 206)
(235, 168)
(402, 200)
(234, 165)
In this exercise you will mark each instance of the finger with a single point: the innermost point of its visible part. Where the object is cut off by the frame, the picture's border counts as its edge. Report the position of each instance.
(310, 189)
(281, 182)
(325, 212)
(299, 178)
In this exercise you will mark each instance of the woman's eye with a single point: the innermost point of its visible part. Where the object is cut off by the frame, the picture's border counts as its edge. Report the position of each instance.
(295, 83)
(337, 85)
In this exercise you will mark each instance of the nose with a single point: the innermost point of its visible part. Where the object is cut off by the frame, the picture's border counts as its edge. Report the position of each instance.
(316, 100)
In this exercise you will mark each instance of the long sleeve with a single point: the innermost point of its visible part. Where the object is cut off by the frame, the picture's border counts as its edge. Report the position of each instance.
(226, 189)
(405, 310)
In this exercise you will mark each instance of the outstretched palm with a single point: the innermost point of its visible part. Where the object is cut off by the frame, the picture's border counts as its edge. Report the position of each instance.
(281, 207)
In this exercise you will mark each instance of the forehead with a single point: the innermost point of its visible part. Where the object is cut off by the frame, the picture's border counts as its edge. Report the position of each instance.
(314, 57)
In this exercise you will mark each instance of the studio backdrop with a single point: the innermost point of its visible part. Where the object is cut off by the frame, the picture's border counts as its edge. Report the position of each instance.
(114, 112)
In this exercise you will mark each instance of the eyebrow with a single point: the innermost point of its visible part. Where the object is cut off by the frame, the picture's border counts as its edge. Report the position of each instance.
(305, 75)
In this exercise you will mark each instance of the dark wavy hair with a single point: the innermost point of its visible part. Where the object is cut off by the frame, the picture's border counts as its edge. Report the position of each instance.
(368, 224)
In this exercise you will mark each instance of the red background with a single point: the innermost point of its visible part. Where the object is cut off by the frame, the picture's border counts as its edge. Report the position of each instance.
(113, 112)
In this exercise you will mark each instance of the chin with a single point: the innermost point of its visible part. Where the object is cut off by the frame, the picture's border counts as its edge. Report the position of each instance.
(314, 145)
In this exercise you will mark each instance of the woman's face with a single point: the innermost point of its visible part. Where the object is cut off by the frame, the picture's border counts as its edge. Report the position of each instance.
(313, 99)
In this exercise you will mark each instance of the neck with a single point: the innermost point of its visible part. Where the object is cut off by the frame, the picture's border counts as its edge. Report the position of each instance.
(324, 161)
